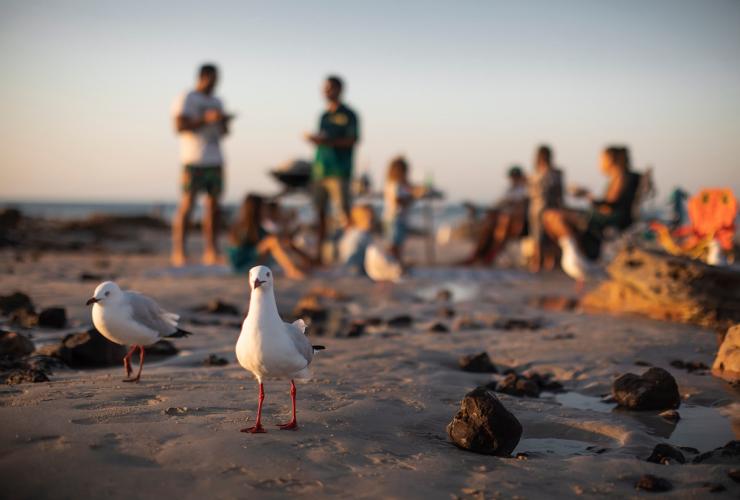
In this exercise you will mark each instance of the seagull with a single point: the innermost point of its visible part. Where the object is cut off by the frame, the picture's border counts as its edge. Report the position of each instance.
(131, 318)
(270, 347)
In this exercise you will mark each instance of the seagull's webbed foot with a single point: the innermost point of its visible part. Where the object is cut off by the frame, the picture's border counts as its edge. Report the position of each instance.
(290, 426)
(255, 429)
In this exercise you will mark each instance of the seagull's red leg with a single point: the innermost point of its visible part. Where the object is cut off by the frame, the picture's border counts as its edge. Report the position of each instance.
(293, 424)
(127, 361)
(257, 427)
(141, 365)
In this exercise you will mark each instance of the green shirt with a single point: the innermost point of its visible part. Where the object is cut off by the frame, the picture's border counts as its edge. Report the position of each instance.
(331, 161)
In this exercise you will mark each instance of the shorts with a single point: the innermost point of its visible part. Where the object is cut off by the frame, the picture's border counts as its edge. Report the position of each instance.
(208, 180)
(336, 191)
(396, 231)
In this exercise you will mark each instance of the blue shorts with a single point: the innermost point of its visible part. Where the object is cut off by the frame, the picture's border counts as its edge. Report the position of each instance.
(396, 231)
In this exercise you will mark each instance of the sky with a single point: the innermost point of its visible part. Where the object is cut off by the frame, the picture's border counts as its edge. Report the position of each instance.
(463, 89)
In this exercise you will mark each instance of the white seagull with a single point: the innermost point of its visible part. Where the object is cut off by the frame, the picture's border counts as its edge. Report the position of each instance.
(270, 347)
(130, 318)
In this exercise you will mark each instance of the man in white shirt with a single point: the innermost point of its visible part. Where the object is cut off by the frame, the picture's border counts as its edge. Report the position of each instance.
(200, 122)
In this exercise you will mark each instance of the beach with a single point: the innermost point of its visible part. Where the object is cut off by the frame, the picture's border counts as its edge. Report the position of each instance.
(372, 419)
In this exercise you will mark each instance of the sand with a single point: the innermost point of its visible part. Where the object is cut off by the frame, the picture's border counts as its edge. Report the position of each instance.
(372, 420)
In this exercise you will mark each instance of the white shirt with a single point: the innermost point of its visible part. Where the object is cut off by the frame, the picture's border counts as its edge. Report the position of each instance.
(199, 147)
(394, 191)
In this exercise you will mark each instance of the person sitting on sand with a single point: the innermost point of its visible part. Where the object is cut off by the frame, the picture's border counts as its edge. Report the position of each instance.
(585, 230)
(201, 123)
(398, 196)
(251, 244)
(505, 220)
(545, 191)
(356, 238)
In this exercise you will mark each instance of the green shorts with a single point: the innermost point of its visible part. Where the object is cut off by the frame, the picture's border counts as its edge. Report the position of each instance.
(208, 180)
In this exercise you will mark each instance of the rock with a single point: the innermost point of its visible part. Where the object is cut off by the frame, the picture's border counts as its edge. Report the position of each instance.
(484, 425)
(438, 327)
(727, 363)
(161, 348)
(14, 344)
(356, 328)
(734, 474)
(216, 306)
(665, 454)
(560, 336)
(53, 317)
(729, 453)
(670, 415)
(87, 350)
(477, 363)
(515, 385)
(690, 366)
(518, 323)
(215, 360)
(544, 382)
(401, 321)
(24, 318)
(85, 276)
(176, 410)
(311, 309)
(715, 487)
(14, 301)
(446, 312)
(554, 303)
(656, 389)
(20, 376)
(648, 482)
(466, 323)
(668, 287)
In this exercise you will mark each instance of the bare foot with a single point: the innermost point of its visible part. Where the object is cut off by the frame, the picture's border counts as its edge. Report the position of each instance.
(211, 258)
(178, 259)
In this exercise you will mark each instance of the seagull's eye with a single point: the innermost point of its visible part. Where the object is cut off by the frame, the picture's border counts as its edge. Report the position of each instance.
(268, 275)
(107, 293)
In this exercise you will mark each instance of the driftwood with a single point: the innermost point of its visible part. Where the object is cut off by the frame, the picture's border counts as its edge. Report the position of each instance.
(667, 287)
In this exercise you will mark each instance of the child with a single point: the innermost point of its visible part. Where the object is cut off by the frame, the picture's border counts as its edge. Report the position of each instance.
(398, 196)
(250, 244)
(356, 238)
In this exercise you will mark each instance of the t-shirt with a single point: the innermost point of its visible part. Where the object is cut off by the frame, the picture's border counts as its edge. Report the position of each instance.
(394, 191)
(199, 147)
(331, 161)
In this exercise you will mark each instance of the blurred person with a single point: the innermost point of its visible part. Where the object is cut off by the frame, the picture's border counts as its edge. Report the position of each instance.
(505, 220)
(356, 238)
(582, 232)
(250, 244)
(398, 195)
(545, 188)
(332, 168)
(201, 123)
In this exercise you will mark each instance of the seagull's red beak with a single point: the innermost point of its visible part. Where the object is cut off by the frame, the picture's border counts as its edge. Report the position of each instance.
(91, 300)
(257, 283)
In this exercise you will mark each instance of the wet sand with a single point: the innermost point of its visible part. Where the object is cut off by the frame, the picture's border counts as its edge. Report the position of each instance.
(372, 420)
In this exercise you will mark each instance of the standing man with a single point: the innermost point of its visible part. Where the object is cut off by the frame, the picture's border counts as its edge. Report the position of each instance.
(332, 169)
(200, 122)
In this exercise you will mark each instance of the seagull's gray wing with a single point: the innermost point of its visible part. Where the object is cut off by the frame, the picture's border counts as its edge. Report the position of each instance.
(296, 331)
(147, 312)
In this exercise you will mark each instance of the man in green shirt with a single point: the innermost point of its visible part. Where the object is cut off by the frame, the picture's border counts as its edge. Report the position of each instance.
(332, 169)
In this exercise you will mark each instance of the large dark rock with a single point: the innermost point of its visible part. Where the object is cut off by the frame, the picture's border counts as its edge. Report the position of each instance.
(14, 301)
(656, 389)
(477, 363)
(484, 425)
(665, 454)
(14, 345)
(729, 453)
(648, 482)
(53, 317)
(87, 350)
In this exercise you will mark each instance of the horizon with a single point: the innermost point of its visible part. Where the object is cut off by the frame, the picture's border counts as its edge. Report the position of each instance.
(89, 87)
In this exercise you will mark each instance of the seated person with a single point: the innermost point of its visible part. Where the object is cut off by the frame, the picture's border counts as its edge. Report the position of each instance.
(250, 244)
(545, 191)
(585, 230)
(356, 238)
(507, 219)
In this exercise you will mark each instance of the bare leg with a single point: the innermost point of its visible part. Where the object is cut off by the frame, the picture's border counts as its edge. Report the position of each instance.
(555, 224)
(293, 424)
(180, 229)
(127, 361)
(141, 365)
(272, 245)
(257, 427)
(210, 230)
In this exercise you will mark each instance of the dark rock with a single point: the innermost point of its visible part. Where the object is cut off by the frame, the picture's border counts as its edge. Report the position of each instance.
(14, 345)
(46, 364)
(446, 312)
(690, 366)
(640, 362)
(689, 449)
(734, 474)
(715, 487)
(656, 389)
(86, 350)
(53, 317)
(466, 323)
(215, 360)
(729, 453)
(560, 336)
(664, 454)
(518, 323)
(477, 363)
(24, 318)
(9, 218)
(311, 309)
(85, 276)
(162, 348)
(176, 410)
(20, 376)
(216, 306)
(356, 328)
(401, 321)
(438, 328)
(484, 425)
(545, 382)
(648, 482)
(554, 303)
(374, 321)
(513, 385)
(670, 415)
(14, 301)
